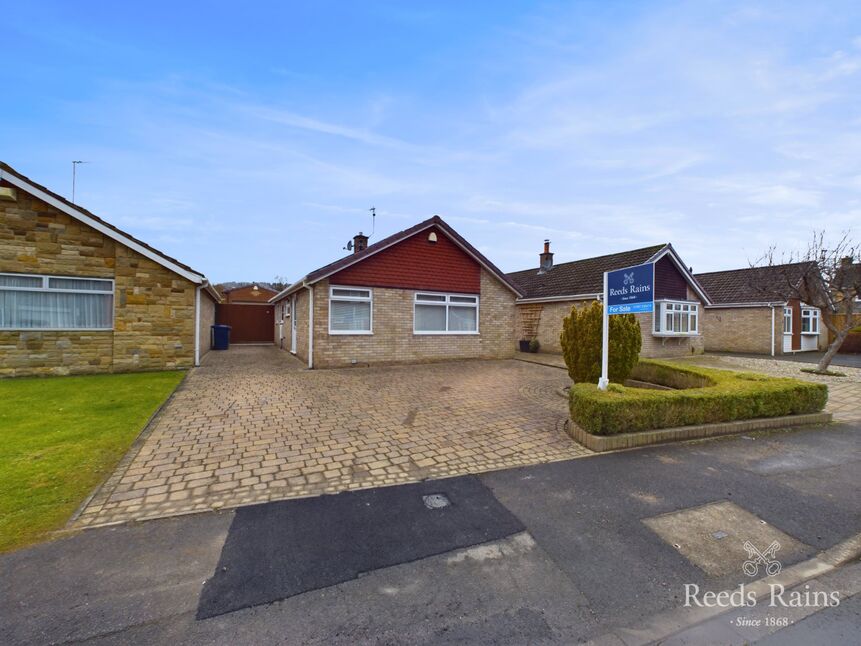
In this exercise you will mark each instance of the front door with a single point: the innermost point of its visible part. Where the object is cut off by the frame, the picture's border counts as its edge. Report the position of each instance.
(787, 329)
(293, 324)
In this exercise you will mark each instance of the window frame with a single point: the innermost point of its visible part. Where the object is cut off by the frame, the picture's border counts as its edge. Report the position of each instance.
(659, 318)
(355, 299)
(787, 310)
(45, 288)
(447, 304)
(813, 315)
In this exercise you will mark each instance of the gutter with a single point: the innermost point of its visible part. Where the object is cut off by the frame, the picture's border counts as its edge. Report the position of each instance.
(310, 326)
(738, 305)
(772, 330)
(557, 299)
(197, 325)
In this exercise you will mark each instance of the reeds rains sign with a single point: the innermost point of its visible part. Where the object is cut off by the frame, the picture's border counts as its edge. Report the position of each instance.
(631, 290)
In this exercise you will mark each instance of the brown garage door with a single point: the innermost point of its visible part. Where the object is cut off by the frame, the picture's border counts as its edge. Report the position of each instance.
(250, 323)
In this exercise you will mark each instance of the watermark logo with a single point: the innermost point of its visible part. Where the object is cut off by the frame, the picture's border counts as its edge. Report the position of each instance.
(766, 558)
(776, 594)
(629, 279)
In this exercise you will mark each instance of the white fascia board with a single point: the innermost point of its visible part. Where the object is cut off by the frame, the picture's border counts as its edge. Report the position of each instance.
(287, 291)
(721, 306)
(195, 278)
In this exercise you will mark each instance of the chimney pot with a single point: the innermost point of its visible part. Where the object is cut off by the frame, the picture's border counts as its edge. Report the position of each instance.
(360, 242)
(546, 259)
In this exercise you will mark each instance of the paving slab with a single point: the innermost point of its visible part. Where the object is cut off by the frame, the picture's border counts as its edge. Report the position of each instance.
(713, 536)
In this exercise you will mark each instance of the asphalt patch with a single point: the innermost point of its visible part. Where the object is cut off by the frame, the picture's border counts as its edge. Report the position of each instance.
(280, 549)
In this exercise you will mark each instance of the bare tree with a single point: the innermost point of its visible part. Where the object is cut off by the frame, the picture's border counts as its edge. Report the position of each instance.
(280, 283)
(826, 278)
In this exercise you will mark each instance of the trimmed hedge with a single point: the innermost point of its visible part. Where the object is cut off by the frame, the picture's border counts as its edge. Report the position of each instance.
(705, 396)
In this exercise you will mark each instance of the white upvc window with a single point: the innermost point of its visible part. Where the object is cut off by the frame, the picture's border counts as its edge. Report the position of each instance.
(787, 320)
(351, 310)
(435, 313)
(38, 302)
(809, 320)
(676, 318)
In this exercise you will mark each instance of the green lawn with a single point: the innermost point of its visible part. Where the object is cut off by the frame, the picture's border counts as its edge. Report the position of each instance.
(60, 437)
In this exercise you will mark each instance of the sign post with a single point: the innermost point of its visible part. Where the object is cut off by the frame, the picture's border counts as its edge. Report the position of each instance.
(626, 291)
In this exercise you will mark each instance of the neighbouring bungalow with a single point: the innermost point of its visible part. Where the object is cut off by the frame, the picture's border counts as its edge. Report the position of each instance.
(550, 291)
(424, 294)
(78, 295)
(753, 311)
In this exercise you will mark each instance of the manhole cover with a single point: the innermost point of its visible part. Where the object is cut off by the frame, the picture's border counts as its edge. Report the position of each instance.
(436, 501)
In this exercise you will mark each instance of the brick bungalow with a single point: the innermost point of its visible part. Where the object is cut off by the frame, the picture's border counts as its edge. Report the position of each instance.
(422, 294)
(752, 311)
(78, 295)
(550, 291)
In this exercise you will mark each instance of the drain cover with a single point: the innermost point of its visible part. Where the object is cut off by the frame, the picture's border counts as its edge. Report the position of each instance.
(436, 501)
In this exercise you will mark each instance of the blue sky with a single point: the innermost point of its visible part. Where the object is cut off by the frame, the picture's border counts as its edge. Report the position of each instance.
(250, 140)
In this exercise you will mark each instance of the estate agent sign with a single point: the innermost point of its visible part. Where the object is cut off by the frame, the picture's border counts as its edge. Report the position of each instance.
(631, 290)
(626, 291)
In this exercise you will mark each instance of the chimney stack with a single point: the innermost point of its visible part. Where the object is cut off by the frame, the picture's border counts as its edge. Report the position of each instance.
(546, 259)
(360, 242)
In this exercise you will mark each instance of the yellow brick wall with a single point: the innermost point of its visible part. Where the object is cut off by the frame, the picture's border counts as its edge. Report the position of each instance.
(743, 329)
(550, 327)
(302, 301)
(393, 340)
(153, 307)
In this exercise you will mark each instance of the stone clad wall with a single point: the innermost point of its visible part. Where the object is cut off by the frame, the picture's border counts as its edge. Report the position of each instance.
(153, 307)
(393, 340)
(154, 315)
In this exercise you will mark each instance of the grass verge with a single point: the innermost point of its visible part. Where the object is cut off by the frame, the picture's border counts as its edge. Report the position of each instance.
(60, 437)
(702, 396)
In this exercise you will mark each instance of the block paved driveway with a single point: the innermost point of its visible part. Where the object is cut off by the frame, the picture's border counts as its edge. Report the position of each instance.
(251, 425)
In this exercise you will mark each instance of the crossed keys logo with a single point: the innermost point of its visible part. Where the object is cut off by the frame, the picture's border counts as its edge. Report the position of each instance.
(629, 279)
(754, 558)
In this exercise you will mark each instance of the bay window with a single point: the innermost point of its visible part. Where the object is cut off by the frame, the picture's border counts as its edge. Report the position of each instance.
(350, 310)
(676, 318)
(809, 321)
(445, 314)
(33, 302)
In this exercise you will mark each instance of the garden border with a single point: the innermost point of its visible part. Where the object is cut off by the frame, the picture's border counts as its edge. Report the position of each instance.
(601, 443)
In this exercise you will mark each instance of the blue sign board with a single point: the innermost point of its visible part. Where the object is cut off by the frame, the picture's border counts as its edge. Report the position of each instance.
(631, 290)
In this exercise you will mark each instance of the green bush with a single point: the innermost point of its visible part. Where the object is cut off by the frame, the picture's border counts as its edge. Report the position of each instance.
(581, 344)
(724, 396)
(534, 345)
